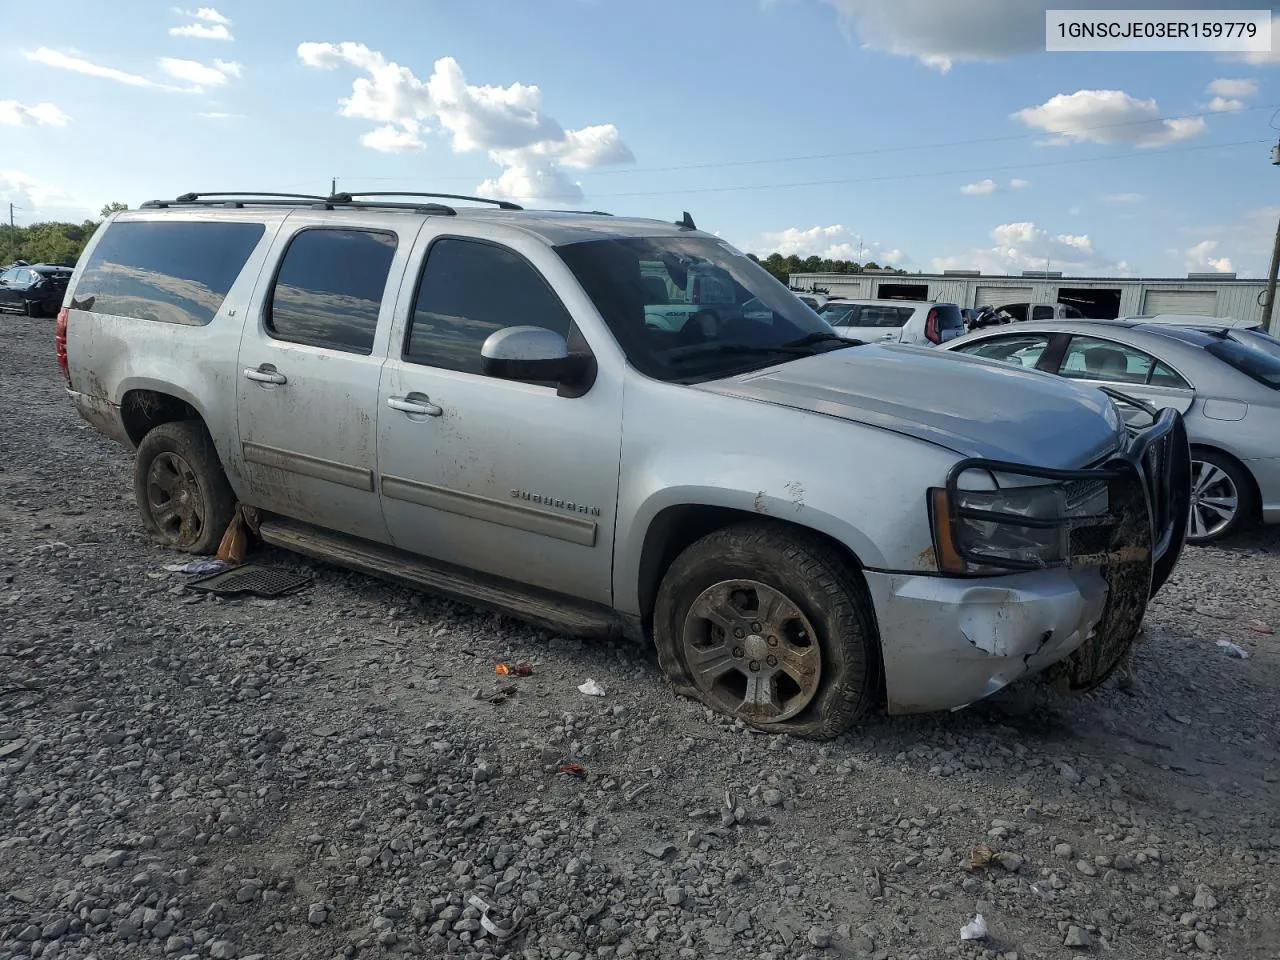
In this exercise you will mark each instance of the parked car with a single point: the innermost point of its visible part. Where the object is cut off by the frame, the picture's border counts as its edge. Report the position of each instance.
(473, 401)
(923, 322)
(36, 290)
(1226, 387)
(1021, 312)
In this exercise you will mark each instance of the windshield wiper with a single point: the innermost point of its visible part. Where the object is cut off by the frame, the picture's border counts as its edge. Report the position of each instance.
(799, 347)
(821, 336)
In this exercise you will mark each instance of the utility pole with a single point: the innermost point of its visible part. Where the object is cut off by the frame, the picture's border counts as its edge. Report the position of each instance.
(1269, 307)
(333, 187)
(10, 216)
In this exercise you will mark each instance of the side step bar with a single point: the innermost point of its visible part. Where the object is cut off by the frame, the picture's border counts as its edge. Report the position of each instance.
(540, 607)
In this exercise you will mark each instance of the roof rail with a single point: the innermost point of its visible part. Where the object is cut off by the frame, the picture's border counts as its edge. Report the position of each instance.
(348, 197)
(235, 198)
(593, 213)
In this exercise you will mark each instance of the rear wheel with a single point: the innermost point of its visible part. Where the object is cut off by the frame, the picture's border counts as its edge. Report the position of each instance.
(183, 495)
(772, 626)
(32, 309)
(1222, 501)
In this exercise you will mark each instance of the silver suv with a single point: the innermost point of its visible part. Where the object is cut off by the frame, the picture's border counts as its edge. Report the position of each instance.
(481, 402)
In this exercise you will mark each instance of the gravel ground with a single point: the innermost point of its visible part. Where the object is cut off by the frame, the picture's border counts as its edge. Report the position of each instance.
(328, 775)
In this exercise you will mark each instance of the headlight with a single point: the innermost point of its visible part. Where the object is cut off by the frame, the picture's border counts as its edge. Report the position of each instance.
(1019, 527)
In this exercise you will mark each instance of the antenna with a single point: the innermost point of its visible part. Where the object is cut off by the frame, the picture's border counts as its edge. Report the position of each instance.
(686, 222)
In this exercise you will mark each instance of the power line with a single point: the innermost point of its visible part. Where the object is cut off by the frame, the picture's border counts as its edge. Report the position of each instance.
(927, 174)
(873, 151)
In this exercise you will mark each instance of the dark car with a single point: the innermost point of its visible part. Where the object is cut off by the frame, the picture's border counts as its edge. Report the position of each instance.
(35, 290)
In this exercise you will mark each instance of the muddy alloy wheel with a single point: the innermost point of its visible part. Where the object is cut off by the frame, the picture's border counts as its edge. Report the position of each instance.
(751, 651)
(772, 625)
(174, 500)
(181, 490)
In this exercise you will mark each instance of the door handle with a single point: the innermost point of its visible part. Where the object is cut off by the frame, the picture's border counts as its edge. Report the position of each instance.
(265, 374)
(422, 408)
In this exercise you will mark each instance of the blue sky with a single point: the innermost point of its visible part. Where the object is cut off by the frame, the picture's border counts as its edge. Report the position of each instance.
(741, 111)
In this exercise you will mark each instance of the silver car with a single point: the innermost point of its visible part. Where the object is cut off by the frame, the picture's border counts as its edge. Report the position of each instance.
(1224, 381)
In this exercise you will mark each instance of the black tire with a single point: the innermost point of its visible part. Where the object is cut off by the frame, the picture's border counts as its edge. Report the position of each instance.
(182, 492)
(817, 582)
(32, 309)
(1238, 478)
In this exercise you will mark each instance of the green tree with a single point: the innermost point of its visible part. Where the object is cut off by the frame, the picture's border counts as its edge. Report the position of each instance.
(52, 241)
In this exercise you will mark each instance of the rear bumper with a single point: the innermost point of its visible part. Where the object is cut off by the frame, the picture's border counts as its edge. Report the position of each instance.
(101, 414)
(948, 642)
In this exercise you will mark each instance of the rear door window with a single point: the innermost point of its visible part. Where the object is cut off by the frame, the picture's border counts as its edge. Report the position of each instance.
(1088, 358)
(328, 292)
(170, 271)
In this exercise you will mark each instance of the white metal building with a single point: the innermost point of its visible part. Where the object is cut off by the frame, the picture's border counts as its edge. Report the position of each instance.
(1210, 295)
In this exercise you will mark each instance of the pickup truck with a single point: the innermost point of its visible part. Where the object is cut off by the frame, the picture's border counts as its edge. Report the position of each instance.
(472, 399)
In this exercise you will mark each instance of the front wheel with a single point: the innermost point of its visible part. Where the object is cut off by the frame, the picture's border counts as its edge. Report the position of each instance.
(1221, 498)
(772, 626)
(182, 492)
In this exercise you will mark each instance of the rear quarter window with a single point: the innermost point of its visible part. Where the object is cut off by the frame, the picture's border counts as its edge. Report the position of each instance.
(166, 271)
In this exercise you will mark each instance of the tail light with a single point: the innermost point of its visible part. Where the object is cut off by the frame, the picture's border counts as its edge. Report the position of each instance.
(931, 331)
(60, 343)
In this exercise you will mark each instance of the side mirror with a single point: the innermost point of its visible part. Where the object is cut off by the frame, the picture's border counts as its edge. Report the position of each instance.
(535, 354)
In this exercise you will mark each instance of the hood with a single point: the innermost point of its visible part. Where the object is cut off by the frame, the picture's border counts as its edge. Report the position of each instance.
(975, 407)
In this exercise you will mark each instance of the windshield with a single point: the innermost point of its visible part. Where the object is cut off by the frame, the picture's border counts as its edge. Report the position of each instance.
(1251, 361)
(688, 309)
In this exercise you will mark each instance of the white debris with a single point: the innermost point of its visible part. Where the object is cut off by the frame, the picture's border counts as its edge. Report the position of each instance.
(1234, 651)
(591, 688)
(975, 929)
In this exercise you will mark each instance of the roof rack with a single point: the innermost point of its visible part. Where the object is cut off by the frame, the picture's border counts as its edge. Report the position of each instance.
(236, 198)
(349, 197)
(593, 213)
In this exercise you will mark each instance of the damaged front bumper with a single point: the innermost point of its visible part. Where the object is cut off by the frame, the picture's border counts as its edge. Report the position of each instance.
(948, 641)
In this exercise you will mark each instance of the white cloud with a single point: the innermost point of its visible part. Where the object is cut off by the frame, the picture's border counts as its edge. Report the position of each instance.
(1264, 58)
(37, 200)
(833, 242)
(1225, 87)
(1024, 246)
(1123, 198)
(200, 75)
(981, 188)
(207, 14)
(506, 122)
(63, 61)
(941, 33)
(1225, 105)
(1016, 184)
(1109, 117)
(202, 31)
(15, 114)
(215, 115)
(1245, 243)
(391, 139)
(1199, 259)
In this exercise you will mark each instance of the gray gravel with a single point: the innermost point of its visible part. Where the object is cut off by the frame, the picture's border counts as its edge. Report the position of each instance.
(326, 775)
